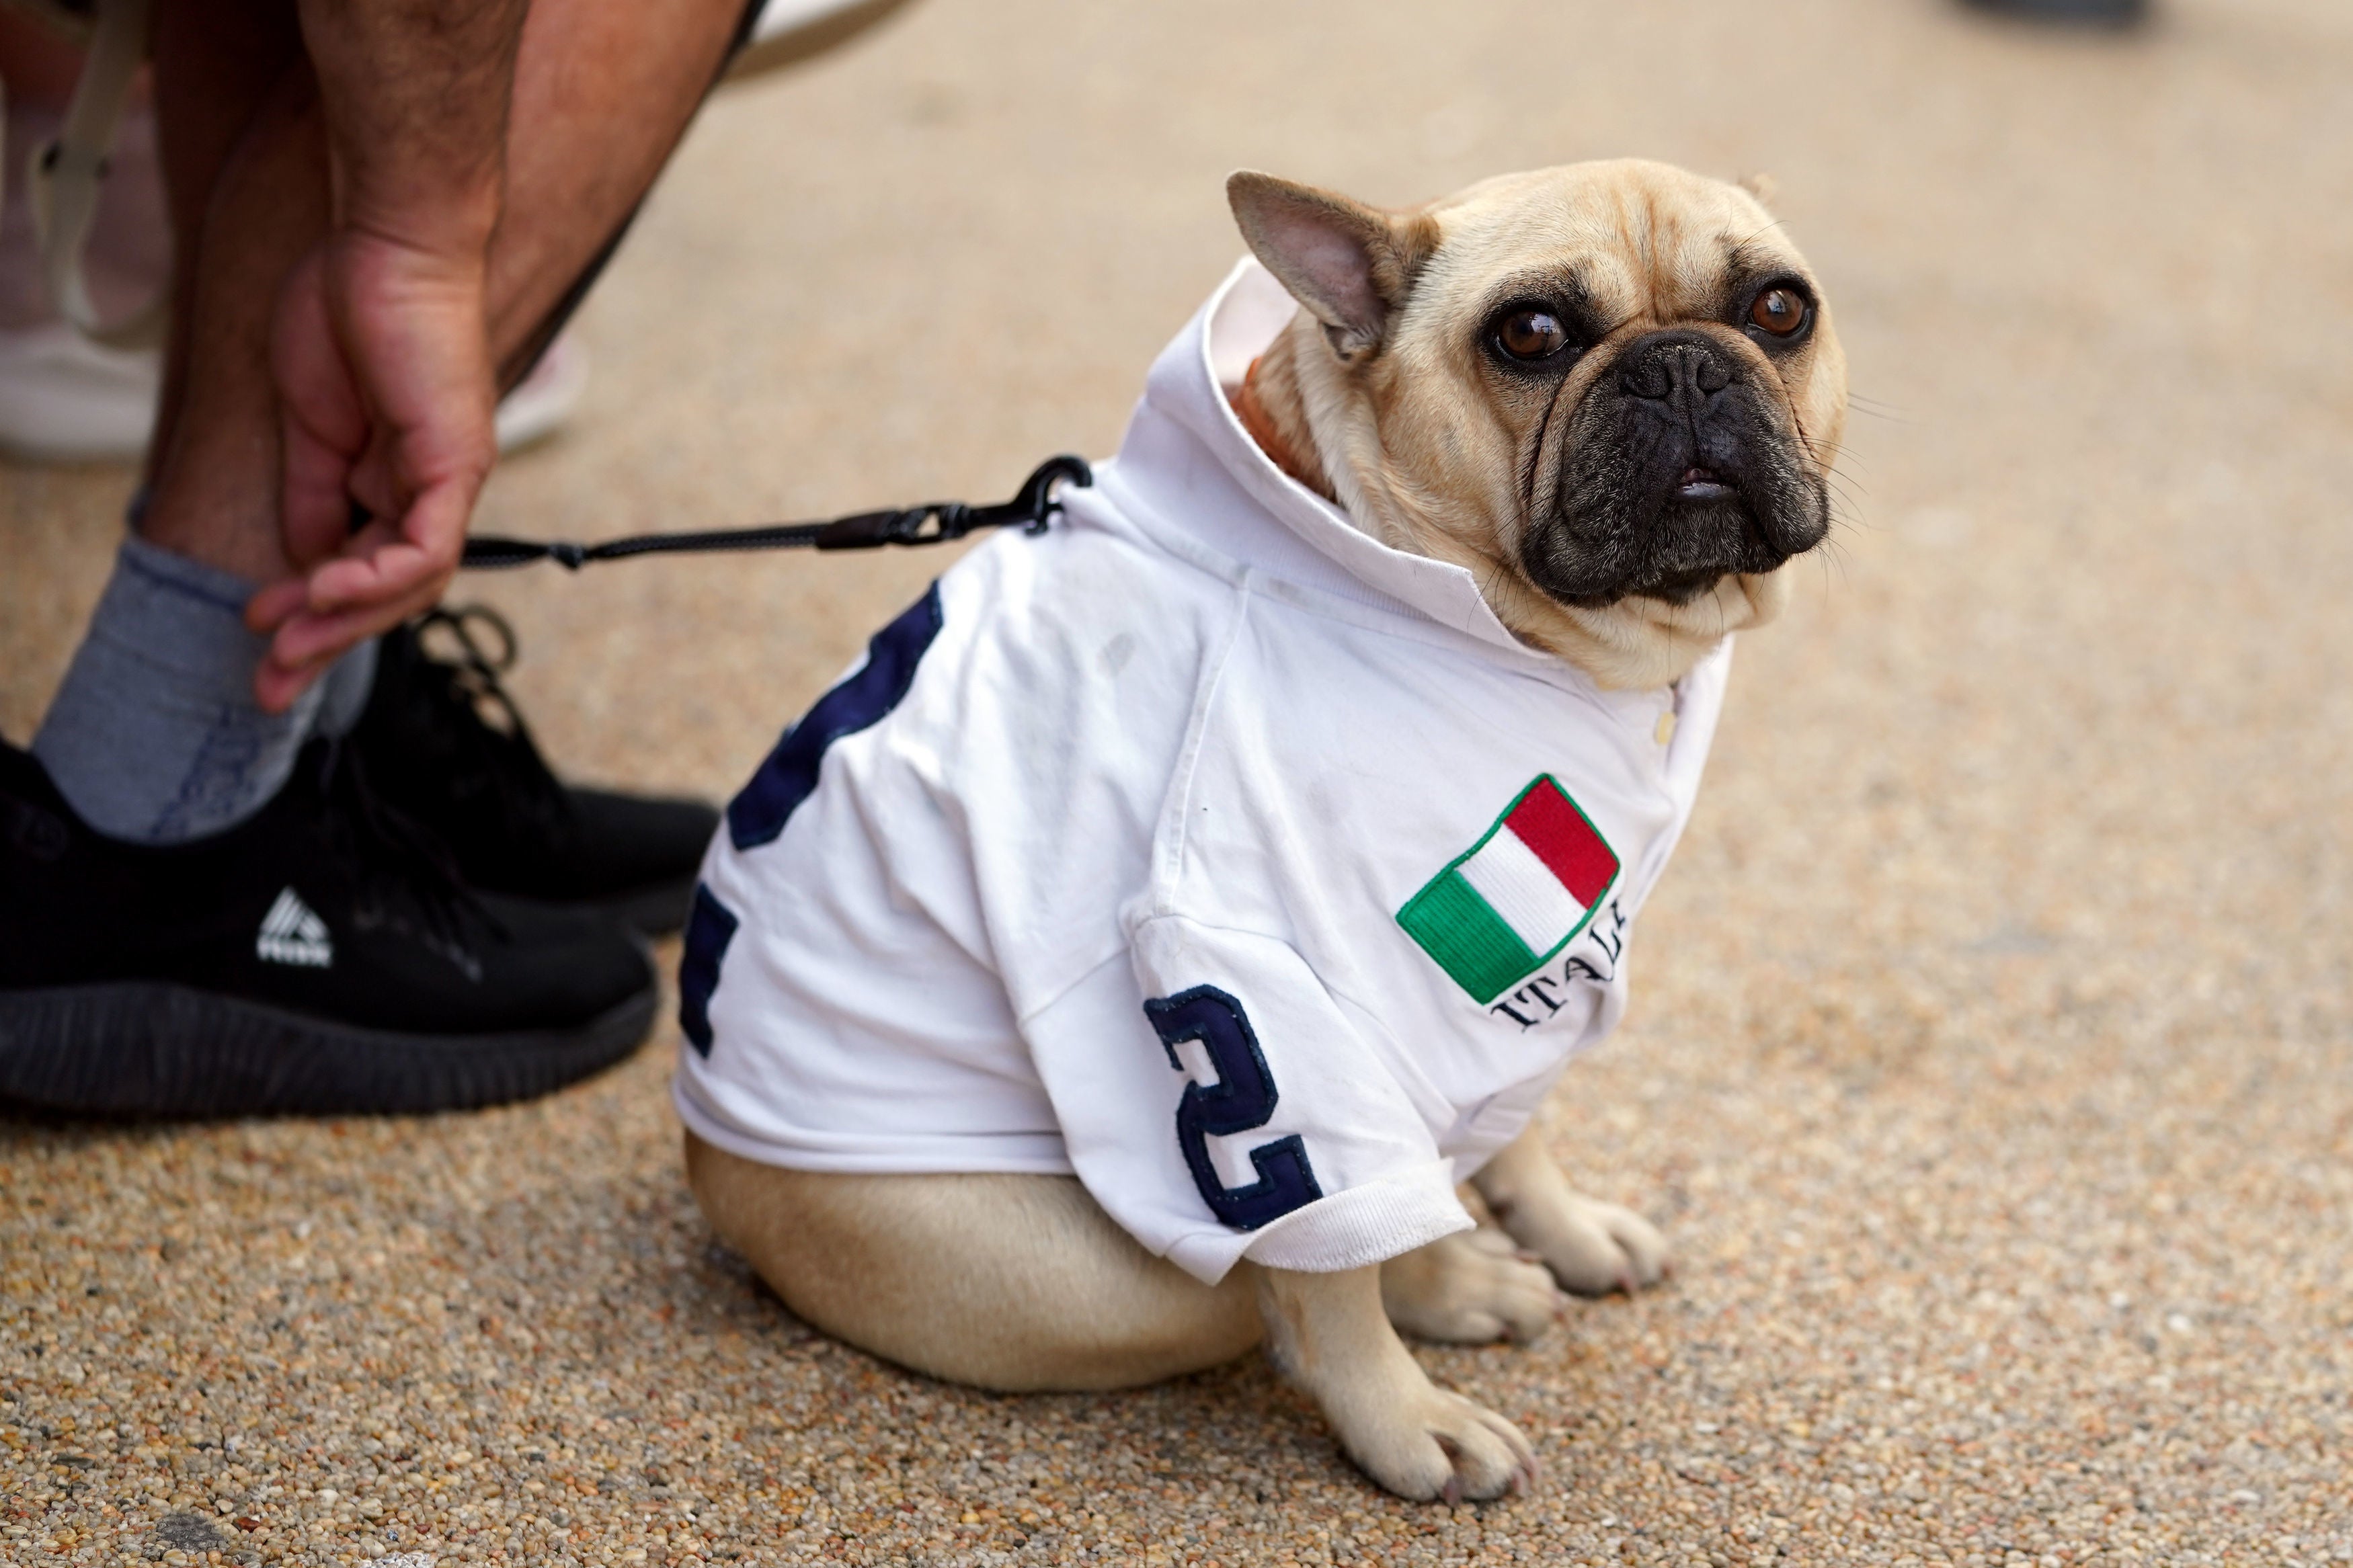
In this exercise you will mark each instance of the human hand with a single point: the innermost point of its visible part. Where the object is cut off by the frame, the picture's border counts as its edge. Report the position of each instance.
(385, 386)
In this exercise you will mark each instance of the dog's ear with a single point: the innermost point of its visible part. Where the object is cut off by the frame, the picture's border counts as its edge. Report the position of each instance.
(1351, 265)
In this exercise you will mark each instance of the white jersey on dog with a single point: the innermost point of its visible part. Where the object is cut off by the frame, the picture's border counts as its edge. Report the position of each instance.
(1202, 847)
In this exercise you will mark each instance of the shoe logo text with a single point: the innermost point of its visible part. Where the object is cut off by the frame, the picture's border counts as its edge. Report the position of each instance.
(291, 934)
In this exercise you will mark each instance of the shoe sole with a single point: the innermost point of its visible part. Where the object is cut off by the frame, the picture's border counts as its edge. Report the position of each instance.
(144, 1049)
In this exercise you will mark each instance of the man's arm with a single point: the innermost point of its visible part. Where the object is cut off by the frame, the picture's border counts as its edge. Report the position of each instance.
(379, 351)
(416, 94)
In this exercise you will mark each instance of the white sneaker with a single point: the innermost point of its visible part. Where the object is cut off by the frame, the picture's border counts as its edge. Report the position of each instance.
(543, 401)
(64, 399)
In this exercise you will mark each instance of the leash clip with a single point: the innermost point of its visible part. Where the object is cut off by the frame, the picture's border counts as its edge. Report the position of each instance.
(935, 523)
(938, 522)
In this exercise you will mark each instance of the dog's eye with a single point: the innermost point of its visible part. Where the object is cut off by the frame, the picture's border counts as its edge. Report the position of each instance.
(1779, 311)
(1531, 334)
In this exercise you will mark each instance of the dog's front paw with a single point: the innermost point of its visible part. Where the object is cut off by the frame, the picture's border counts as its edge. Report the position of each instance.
(1470, 1288)
(1434, 1446)
(1593, 1247)
(1329, 1334)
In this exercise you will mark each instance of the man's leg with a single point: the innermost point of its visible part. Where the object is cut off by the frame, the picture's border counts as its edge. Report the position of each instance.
(300, 953)
(603, 92)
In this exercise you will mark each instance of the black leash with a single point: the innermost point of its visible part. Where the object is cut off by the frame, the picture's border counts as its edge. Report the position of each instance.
(933, 523)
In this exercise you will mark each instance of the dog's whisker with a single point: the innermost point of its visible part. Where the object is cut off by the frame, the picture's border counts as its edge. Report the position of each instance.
(1844, 489)
(1777, 222)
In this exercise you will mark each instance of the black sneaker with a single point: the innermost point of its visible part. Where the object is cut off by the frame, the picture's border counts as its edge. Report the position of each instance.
(320, 958)
(432, 749)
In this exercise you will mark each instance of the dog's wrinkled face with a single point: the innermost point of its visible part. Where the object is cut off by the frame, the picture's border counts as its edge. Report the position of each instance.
(1611, 389)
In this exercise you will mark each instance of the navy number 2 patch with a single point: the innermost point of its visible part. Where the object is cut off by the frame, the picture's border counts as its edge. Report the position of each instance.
(1242, 1099)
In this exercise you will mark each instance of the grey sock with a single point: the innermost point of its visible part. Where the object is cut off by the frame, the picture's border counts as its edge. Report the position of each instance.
(343, 690)
(155, 736)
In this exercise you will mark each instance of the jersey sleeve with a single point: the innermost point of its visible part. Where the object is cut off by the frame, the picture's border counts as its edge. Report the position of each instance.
(1244, 1113)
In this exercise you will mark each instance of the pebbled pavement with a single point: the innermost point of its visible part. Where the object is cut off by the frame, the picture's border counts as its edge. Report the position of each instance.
(1990, 1061)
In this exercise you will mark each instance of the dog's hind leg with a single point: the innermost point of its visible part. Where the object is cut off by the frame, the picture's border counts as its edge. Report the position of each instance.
(1004, 1282)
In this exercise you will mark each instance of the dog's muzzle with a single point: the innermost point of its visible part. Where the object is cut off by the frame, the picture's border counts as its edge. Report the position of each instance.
(1677, 471)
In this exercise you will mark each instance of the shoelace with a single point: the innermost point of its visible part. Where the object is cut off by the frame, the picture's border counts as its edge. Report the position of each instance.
(402, 865)
(476, 672)
(502, 753)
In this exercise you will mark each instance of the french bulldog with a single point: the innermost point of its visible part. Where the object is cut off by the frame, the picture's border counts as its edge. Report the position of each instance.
(1095, 984)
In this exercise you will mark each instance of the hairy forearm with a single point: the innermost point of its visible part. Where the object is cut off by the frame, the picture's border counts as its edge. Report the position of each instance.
(416, 94)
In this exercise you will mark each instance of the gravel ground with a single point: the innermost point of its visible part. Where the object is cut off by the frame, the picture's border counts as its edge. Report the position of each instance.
(1991, 1062)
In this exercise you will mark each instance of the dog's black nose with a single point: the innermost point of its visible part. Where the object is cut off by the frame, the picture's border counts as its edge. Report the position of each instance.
(1680, 369)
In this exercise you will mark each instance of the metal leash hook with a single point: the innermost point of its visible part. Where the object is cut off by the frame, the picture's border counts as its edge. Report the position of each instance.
(935, 523)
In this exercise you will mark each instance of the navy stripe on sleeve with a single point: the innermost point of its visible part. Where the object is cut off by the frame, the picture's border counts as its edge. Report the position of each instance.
(759, 813)
(710, 927)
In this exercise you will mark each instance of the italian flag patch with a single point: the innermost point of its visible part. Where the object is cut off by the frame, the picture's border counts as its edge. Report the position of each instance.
(1517, 895)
